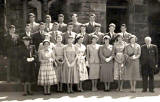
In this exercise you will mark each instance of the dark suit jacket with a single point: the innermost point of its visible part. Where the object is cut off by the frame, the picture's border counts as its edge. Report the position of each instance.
(149, 58)
(21, 37)
(27, 68)
(63, 27)
(10, 46)
(66, 35)
(90, 28)
(76, 27)
(100, 37)
(37, 38)
(113, 38)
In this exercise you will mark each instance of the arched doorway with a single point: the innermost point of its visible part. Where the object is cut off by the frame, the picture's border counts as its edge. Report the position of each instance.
(117, 12)
(57, 7)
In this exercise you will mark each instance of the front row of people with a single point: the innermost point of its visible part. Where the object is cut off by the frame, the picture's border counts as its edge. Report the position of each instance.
(67, 64)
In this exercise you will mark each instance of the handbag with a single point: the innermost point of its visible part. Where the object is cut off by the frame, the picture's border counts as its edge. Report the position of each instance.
(156, 70)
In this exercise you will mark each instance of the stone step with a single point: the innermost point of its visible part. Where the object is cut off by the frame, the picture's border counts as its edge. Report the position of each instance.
(18, 87)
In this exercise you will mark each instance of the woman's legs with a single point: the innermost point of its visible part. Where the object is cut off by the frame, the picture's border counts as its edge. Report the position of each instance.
(60, 87)
(25, 89)
(71, 89)
(81, 88)
(93, 84)
(121, 85)
(108, 86)
(45, 89)
(48, 89)
(105, 86)
(134, 85)
(131, 84)
(29, 88)
(68, 88)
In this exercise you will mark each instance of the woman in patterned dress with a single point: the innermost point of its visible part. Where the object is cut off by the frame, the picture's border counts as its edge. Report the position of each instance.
(93, 61)
(106, 54)
(59, 54)
(81, 62)
(70, 70)
(119, 67)
(47, 75)
(132, 52)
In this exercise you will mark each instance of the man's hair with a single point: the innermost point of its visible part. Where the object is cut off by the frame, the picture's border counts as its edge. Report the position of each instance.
(148, 38)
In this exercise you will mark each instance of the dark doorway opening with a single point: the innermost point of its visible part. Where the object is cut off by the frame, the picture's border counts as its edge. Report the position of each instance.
(57, 7)
(117, 12)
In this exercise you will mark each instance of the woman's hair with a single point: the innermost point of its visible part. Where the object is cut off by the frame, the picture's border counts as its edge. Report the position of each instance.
(46, 41)
(132, 36)
(119, 35)
(78, 37)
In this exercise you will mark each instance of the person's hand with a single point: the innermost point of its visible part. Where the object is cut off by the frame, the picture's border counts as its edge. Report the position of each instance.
(108, 59)
(72, 64)
(50, 60)
(87, 64)
(32, 59)
(5, 57)
(122, 65)
(28, 59)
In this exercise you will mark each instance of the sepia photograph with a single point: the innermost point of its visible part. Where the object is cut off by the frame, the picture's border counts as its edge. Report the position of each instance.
(79, 50)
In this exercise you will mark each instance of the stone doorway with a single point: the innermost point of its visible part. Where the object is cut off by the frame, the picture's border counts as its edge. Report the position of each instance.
(117, 12)
(57, 7)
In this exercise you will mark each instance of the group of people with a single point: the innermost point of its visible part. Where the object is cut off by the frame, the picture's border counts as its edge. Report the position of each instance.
(58, 53)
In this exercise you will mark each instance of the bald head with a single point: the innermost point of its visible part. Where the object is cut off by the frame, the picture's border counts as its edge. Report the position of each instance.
(147, 40)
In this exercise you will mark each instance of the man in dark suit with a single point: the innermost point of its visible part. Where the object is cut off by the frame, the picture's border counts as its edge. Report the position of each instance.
(26, 33)
(98, 33)
(10, 47)
(62, 25)
(111, 33)
(149, 61)
(55, 32)
(124, 33)
(68, 33)
(76, 24)
(38, 37)
(90, 26)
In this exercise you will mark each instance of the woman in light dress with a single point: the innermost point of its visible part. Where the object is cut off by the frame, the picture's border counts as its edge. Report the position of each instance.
(70, 70)
(59, 55)
(132, 52)
(81, 62)
(47, 75)
(93, 61)
(119, 61)
(106, 53)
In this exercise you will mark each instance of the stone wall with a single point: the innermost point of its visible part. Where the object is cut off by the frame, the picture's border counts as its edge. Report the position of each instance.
(15, 14)
(139, 20)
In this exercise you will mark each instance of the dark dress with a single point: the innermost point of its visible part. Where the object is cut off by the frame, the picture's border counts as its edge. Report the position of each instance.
(27, 68)
(106, 72)
(11, 52)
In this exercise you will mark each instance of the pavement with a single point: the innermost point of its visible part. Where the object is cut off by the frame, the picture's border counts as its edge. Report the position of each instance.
(87, 96)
